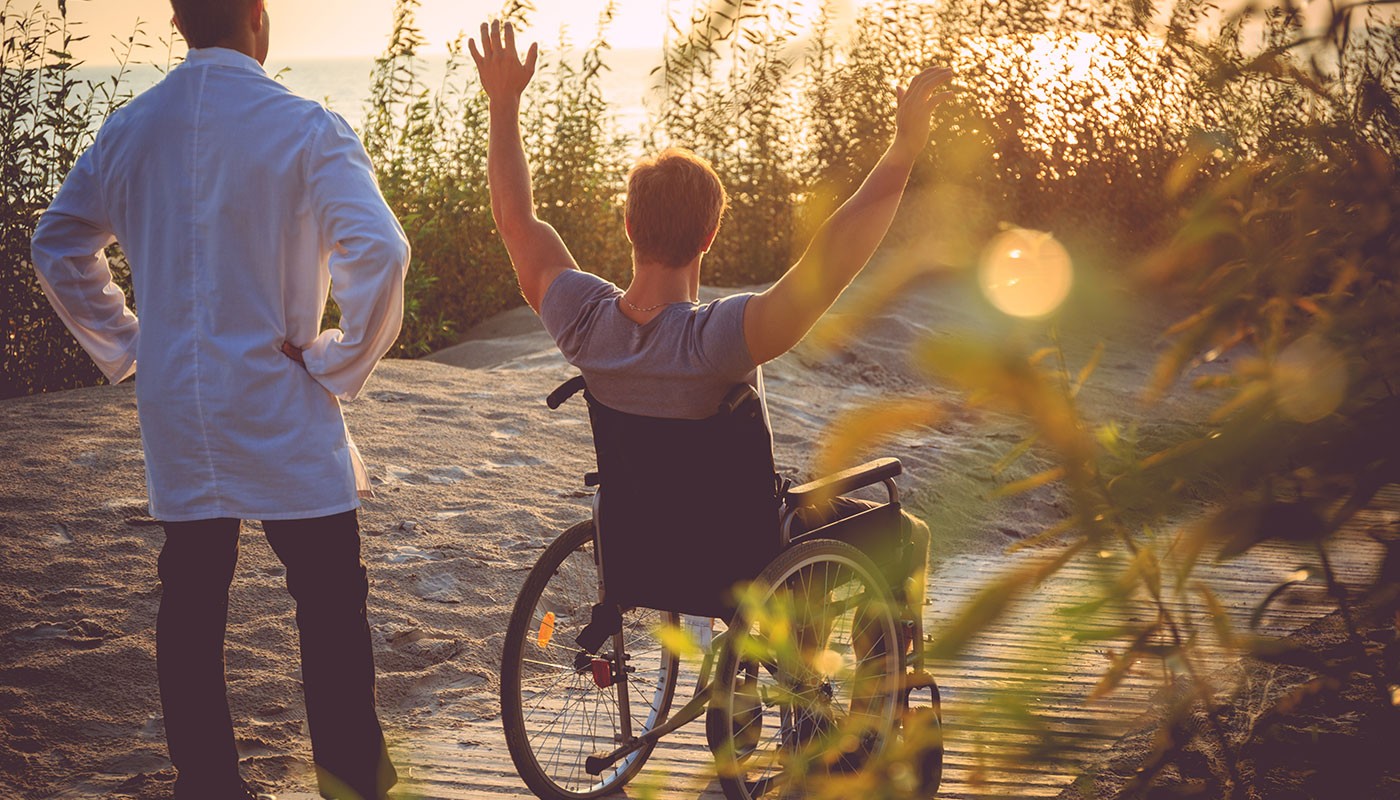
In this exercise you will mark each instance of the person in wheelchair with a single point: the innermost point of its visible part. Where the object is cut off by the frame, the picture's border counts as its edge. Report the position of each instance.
(689, 505)
(653, 349)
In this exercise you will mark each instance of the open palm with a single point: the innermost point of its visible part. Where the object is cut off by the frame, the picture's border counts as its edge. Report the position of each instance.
(916, 105)
(503, 74)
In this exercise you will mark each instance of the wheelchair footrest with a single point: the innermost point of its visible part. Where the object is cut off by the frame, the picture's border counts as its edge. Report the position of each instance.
(919, 681)
(598, 762)
(595, 764)
(914, 681)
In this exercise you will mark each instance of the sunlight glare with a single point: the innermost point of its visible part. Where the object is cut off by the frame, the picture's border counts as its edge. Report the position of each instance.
(829, 663)
(1310, 379)
(1026, 273)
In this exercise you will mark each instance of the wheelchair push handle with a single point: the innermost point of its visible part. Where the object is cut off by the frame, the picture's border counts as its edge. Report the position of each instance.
(566, 390)
(736, 398)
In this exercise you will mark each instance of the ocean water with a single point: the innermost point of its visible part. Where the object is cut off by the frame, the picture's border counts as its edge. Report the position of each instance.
(343, 84)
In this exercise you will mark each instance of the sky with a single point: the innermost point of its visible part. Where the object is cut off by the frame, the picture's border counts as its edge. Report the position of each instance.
(316, 29)
(342, 28)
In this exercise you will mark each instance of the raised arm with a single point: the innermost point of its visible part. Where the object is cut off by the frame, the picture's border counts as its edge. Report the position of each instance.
(536, 251)
(777, 319)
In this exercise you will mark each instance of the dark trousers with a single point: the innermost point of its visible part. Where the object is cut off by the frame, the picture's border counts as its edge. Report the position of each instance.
(327, 579)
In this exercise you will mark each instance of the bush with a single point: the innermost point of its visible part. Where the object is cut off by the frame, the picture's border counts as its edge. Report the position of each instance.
(49, 118)
(429, 147)
(1279, 238)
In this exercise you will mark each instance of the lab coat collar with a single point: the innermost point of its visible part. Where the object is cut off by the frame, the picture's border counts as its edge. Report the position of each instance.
(223, 57)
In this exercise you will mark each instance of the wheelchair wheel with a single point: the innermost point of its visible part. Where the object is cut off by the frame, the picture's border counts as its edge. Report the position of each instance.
(554, 706)
(809, 683)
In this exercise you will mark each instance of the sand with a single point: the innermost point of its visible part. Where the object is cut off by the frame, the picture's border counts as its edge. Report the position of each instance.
(474, 477)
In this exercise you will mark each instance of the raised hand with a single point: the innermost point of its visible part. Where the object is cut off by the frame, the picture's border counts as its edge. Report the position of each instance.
(503, 75)
(916, 105)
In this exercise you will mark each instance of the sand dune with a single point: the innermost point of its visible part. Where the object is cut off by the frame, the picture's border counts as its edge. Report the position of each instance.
(474, 476)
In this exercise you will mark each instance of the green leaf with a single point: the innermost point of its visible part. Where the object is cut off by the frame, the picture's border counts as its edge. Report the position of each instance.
(678, 640)
(1241, 528)
(1219, 619)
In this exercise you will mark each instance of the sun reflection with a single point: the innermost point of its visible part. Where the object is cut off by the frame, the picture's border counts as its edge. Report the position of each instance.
(1310, 379)
(1026, 273)
(1074, 83)
(829, 663)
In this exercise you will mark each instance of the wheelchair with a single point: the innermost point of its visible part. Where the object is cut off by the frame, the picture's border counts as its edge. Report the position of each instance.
(813, 677)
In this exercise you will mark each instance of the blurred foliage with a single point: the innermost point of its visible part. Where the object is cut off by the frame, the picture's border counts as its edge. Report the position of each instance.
(1278, 238)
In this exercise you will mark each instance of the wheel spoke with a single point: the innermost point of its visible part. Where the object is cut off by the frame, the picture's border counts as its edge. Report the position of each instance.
(832, 676)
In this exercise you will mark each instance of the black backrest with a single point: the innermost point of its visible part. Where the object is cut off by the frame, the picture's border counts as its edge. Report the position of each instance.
(687, 509)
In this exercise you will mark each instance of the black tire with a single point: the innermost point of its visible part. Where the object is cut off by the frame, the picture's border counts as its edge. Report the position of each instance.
(571, 709)
(809, 681)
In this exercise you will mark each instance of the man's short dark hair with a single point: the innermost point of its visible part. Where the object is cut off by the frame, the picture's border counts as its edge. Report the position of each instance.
(208, 22)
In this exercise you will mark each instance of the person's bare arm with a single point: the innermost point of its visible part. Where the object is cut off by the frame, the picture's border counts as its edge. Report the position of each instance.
(536, 251)
(777, 319)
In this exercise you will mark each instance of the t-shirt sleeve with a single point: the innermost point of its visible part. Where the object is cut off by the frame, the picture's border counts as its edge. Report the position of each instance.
(721, 337)
(570, 306)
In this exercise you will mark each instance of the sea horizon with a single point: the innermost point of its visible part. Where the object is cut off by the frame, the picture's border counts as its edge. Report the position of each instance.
(342, 83)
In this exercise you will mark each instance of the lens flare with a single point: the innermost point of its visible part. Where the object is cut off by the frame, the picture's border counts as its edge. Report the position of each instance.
(829, 663)
(1026, 273)
(1310, 379)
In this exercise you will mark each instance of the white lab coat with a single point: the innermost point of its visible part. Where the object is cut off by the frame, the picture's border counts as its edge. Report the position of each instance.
(237, 204)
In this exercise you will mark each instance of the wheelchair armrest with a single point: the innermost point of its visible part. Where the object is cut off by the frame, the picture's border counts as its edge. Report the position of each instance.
(871, 472)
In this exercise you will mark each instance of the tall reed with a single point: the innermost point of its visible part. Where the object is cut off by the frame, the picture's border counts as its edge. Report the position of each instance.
(1254, 182)
(48, 116)
(429, 146)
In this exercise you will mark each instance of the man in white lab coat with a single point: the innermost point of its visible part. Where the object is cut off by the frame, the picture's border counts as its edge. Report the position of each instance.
(237, 203)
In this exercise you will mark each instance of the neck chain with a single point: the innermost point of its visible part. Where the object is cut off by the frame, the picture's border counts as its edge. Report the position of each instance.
(648, 309)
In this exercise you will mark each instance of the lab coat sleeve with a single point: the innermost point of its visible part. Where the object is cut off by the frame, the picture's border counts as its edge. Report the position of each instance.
(369, 257)
(68, 250)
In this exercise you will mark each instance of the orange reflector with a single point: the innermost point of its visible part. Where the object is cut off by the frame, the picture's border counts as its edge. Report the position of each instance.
(546, 629)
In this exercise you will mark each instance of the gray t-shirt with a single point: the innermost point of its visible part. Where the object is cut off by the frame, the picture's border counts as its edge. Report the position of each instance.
(680, 365)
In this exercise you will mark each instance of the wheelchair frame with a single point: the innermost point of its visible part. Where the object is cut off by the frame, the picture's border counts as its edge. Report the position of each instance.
(697, 705)
(613, 671)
